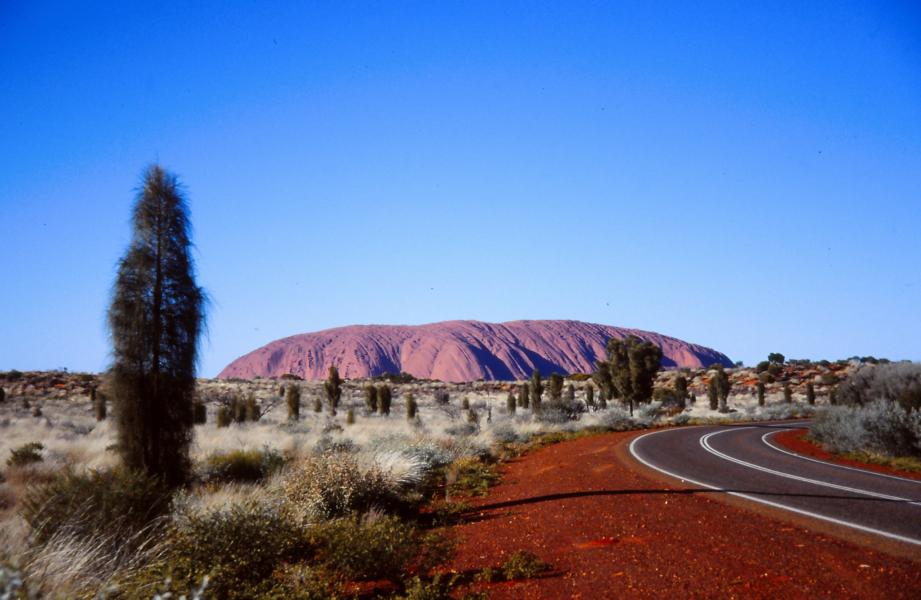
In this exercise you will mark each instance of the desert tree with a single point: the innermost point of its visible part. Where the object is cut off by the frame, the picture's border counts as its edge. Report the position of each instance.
(251, 409)
(384, 398)
(810, 393)
(555, 388)
(537, 388)
(681, 388)
(590, 396)
(510, 402)
(411, 406)
(776, 358)
(371, 398)
(633, 365)
(523, 396)
(602, 379)
(293, 400)
(787, 393)
(155, 320)
(570, 395)
(760, 393)
(722, 385)
(713, 393)
(333, 389)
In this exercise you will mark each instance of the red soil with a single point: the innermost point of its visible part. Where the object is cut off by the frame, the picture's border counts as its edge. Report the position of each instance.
(610, 529)
(795, 440)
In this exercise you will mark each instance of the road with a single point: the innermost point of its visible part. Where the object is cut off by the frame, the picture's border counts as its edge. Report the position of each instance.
(743, 461)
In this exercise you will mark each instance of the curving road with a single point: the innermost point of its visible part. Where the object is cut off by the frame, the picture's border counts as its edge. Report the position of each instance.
(743, 461)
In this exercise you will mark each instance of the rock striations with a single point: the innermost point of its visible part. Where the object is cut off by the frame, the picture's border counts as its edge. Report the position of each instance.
(455, 351)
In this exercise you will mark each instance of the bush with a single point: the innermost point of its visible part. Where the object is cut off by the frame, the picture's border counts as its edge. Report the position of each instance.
(898, 382)
(350, 416)
(523, 565)
(94, 504)
(882, 427)
(411, 407)
(375, 547)
(26, 454)
(199, 413)
(760, 394)
(244, 466)
(472, 476)
(332, 485)
(371, 398)
(442, 397)
(251, 410)
(2, 395)
(810, 393)
(510, 403)
(223, 417)
(787, 393)
(99, 406)
(384, 398)
(293, 400)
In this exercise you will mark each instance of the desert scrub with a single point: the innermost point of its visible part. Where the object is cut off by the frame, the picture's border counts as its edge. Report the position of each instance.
(472, 476)
(26, 454)
(238, 547)
(882, 427)
(523, 565)
(375, 546)
(333, 485)
(244, 466)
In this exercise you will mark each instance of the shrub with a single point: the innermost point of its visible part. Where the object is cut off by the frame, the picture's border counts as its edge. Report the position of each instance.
(510, 403)
(332, 485)
(810, 393)
(384, 398)
(590, 396)
(293, 400)
(465, 403)
(524, 396)
(762, 366)
(410, 407)
(472, 476)
(760, 394)
(99, 406)
(333, 388)
(200, 413)
(223, 417)
(787, 393)
(882, 427)
(26, 454)
(244, 466)
(371, 398)
(350, 416)
(375, 547)
(442, 397)
(898, 382)
(523, 565)
(317, 404)
(94, 504)
(555, 388)
(2, 395)
(774, 370)
(251, 409)
(237, 547)
(776, 358)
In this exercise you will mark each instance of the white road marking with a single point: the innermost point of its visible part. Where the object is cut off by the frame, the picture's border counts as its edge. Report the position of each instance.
(705, 442)
(792, 509)
(764, 438)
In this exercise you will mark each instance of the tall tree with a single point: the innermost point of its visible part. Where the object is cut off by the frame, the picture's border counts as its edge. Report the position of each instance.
(633, 365)
(537, 388)
(155, 320)
(555, 389)
(333, 389)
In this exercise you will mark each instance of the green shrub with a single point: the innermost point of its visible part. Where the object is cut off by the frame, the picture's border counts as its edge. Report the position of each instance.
(382, 547)
(244, 466)
(26, 454)
(523, 565)
(333, 388)
(94, 504)
(223, 417)
(471, 476)
(410, 407)
(251, 411)
(293, 400)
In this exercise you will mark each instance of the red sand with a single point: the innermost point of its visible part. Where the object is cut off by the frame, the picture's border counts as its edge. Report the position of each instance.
(611, 530)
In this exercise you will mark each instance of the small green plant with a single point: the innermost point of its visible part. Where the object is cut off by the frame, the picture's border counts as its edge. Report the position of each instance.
(199, 413)
(411, 407)
(384, 398)
(26, 454)
(223, 417)
(523, 565)
(293, 400)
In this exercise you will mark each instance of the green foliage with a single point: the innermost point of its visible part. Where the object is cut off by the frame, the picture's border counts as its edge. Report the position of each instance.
(26, 454)
(681, 387)
(632, 365)
(775, 370)
(237, 409)
(94, 504)
(224, 418)
(439, 587)
(760, 394)
(472, 476)
(293, 400)
(383, 547)
(537, 389)
(762, 366)
(371, 398)
(199, 413)
(243, 466)
(411, 407)
(510, 403)
(602, 379)
(155, 319)
(384, 398)
(555, 388)
(333, 388)
(523, 565)
(251, 409)
(810, 393)
(713, 394)
(776, 358)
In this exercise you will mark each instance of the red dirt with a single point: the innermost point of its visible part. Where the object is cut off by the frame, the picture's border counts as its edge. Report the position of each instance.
(610, 529)
(795, 440)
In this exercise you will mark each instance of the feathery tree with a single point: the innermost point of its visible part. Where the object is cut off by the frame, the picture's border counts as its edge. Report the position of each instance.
(633, 365)
(555, 388)
(333, 388)
(602, 378)
(810, 393)
(537, 388)
(776, 358)
(590, 396)
(787, 393)
(411, 406)
(510, 402)
(681, 388)
(760, 394)
(384, 398)
(523, 397)
(570, 395)
(155, 320)
(371, 398)
(723, 385)
(713, 392)
(293, 400)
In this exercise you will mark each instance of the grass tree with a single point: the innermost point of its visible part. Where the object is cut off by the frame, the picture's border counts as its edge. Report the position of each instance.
(510, 402)
(371, 398)
(293, 400)
(810, 393)
(632, 365)
(590, 396)
(411, 406)
(760, 393)
(155, 320)
(333, 389)
(787, 393)
(524, 400)
(555, 389)
(537, 389)
(384, 398)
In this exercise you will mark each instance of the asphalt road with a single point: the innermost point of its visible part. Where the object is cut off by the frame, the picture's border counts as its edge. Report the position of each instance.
(743, 461)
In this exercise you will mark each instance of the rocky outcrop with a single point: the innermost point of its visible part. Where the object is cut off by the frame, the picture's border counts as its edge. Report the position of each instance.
(456, 351)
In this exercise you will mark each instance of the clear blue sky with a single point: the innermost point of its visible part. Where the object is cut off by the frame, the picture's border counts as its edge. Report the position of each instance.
(748, 178)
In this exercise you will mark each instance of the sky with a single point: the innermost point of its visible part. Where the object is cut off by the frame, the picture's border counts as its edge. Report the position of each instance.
(744, 177)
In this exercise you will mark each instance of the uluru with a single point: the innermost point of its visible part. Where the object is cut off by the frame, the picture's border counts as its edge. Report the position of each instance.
(456, 351)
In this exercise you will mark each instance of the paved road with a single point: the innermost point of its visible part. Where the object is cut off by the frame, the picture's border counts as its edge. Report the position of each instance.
(742, 460)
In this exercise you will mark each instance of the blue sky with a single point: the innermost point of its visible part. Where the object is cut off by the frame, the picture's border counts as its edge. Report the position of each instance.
(747, 178)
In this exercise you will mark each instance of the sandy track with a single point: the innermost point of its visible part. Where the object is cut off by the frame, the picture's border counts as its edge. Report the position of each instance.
(612, 529)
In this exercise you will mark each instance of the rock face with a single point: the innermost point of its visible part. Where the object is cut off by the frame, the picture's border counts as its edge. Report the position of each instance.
(456, 351)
